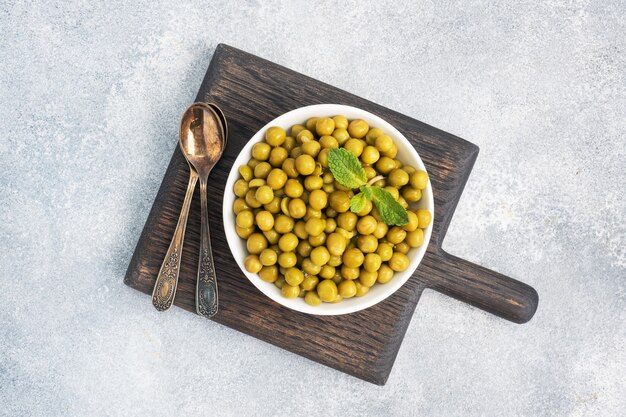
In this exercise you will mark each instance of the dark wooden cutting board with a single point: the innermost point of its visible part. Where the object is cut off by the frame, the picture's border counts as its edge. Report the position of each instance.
(253, 91)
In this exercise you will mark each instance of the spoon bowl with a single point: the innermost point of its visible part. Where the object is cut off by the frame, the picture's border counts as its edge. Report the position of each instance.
(222, 118)
(202, 137)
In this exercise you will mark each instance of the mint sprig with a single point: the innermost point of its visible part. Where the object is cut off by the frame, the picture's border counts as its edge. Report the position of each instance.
(347, 170)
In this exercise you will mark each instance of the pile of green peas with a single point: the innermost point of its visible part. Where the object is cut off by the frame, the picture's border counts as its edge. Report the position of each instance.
(300, 233)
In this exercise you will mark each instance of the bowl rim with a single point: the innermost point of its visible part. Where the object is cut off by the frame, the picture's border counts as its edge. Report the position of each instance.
(346, 306)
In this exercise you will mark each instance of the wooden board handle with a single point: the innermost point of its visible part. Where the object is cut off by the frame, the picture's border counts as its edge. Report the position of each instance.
(486, 289)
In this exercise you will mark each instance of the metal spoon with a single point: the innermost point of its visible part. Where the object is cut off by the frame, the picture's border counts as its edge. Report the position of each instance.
(167, 280)
(222, 117)
(202, 141)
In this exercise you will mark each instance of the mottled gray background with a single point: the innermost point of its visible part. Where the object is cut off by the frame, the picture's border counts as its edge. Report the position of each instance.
(90, 98)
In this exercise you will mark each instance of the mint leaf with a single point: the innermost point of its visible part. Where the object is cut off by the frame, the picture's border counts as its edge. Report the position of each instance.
(390, 210)
(357, 203)
(367, 190)
(346, 168)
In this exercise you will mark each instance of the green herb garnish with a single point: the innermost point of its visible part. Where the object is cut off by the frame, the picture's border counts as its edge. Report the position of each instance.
(346, 168)
(348, 172)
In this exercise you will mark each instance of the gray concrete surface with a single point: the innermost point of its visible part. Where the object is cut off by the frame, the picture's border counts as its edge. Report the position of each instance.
(91, 94)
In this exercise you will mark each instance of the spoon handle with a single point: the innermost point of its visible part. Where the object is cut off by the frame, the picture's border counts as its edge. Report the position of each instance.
(167, 280)
(206, 288)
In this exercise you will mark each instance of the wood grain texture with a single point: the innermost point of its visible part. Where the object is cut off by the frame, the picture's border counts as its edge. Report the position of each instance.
(252, 91)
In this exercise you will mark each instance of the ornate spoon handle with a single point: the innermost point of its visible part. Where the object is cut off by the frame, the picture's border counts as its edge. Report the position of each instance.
(206, 288)
(167, 280)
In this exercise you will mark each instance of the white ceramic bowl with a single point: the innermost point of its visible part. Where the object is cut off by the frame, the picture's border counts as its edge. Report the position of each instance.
(406, 154)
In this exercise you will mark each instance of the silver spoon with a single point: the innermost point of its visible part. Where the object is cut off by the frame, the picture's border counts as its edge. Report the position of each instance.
(167, 281)
(222, 118)
(203, 142)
